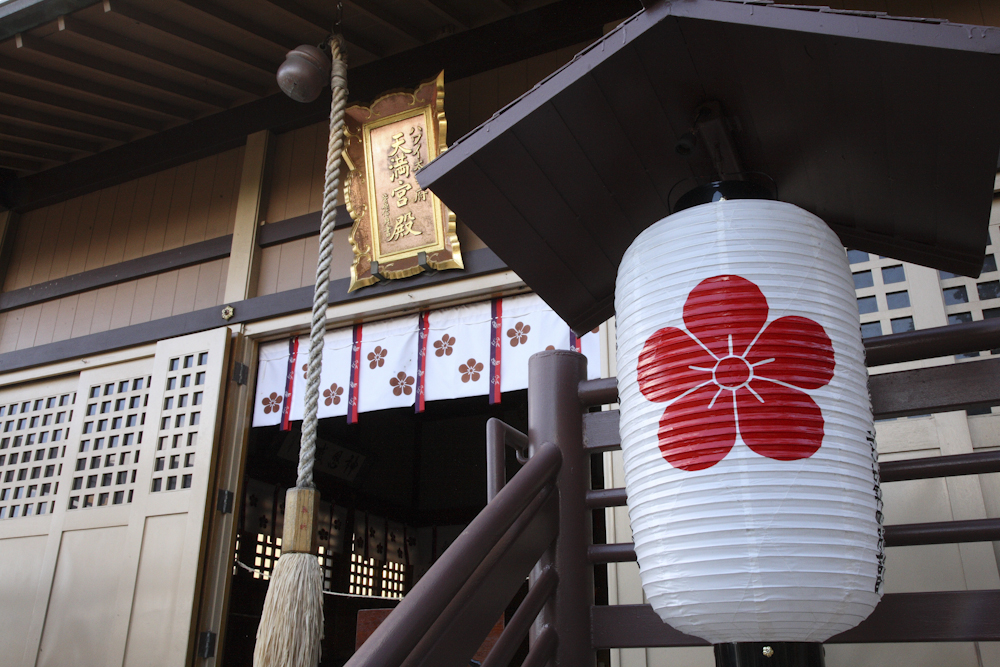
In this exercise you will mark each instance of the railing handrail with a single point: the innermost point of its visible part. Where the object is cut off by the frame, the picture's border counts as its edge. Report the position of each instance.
(499, 436)
(898, 535)
(879, 350)
(408, 624)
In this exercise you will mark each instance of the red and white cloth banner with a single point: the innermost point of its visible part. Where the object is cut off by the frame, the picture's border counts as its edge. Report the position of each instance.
(456, 363)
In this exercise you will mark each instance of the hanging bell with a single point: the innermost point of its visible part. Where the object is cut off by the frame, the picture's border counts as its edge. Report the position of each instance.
(304, 74)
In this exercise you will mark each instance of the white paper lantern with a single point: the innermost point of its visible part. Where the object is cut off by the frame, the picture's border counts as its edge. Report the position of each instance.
(746, 425)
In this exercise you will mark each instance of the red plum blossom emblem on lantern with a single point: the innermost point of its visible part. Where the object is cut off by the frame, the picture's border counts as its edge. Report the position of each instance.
(728, 373)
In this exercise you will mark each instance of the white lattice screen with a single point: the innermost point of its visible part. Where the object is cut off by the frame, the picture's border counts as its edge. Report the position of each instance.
(104, 482)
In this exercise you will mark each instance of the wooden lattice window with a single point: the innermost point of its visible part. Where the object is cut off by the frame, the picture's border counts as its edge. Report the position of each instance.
(180, 421)
(110, 439)
(33, 435)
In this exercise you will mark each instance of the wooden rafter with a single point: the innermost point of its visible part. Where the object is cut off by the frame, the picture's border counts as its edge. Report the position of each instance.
(64, 123)
(51, 138)
(241, 22)
(322, 22)
(35, 151)
(139, 48)
(189, 35)
(54, 50)
(20, 163)
(435, 7)
(40, 73)
(409, 34)
(74, 104)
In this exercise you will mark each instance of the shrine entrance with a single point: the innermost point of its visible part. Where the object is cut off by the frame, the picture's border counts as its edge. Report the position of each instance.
(397, 488)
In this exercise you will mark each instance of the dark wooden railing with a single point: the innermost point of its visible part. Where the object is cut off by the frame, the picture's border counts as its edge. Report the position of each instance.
(541, 522)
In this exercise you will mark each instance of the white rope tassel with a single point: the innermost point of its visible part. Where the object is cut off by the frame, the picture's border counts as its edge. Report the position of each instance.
(321, 293)
(291, 625)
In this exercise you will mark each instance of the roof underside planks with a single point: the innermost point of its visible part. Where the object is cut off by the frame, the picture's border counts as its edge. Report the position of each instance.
(888, 129)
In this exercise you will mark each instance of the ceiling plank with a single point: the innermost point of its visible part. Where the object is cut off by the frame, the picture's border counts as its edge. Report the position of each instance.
(35, 71)
(97, 64)
(326, 24)
(81, 106)
(134, 46)
(557, 25)
(35, 151)
(241, 22)
(64, 123)
(32, 134)
(410, 35)
(20, 163)
(188, 35)
(444, 14)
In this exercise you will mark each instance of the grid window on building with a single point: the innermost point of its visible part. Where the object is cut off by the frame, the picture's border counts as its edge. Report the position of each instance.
(896, 300)
(893, 274)
(857, 256)
(867, 304)
(989, 263)
(863, 279)
(902, 324)
(870, 329)
(955, 295)
(990, 290)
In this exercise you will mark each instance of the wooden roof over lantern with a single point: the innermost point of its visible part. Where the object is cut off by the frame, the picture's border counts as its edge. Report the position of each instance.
(887, 128)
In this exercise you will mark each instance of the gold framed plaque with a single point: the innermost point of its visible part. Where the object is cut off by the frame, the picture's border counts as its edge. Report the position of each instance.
(399, 230)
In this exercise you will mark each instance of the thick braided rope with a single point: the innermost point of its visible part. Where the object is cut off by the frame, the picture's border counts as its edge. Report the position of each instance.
(321, 293)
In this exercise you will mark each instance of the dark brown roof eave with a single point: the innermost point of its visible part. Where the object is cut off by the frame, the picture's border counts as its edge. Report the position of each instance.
(887, 128)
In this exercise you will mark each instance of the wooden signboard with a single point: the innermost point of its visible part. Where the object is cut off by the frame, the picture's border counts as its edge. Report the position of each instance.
(399, 230)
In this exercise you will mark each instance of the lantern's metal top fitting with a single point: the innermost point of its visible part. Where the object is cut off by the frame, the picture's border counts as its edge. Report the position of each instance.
(767, 651)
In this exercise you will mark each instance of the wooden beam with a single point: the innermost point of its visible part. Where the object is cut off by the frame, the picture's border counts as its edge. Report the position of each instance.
(558, 25)
(271, 234)
(376, 16)
(64, 123)
(139, 48)
(36, 151)
(52, 138)
(82, 106)
(114, 274)
(34, 71)
(478, 262)
(67, 54)
(325, 24)
(188, 35)
(244, 257)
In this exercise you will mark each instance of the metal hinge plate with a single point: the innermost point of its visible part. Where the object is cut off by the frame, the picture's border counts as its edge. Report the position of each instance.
(206, 644)
(225, 501)
(241, 373)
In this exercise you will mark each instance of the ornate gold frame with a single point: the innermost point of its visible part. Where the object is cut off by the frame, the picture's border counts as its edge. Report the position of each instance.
(444, 252)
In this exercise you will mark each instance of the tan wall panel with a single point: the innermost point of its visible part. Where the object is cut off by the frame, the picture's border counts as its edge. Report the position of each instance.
(81, 237)
(21, 565)
(133, 302)
(292, 265)
(118, 231)
(187, 204)
(84, 590)
(152, 637)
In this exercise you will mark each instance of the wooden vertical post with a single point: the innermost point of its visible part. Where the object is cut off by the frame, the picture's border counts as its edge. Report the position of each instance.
(244, 258)
(8, 230)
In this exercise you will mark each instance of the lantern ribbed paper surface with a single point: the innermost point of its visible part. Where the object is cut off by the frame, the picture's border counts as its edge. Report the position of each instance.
(746, 425)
